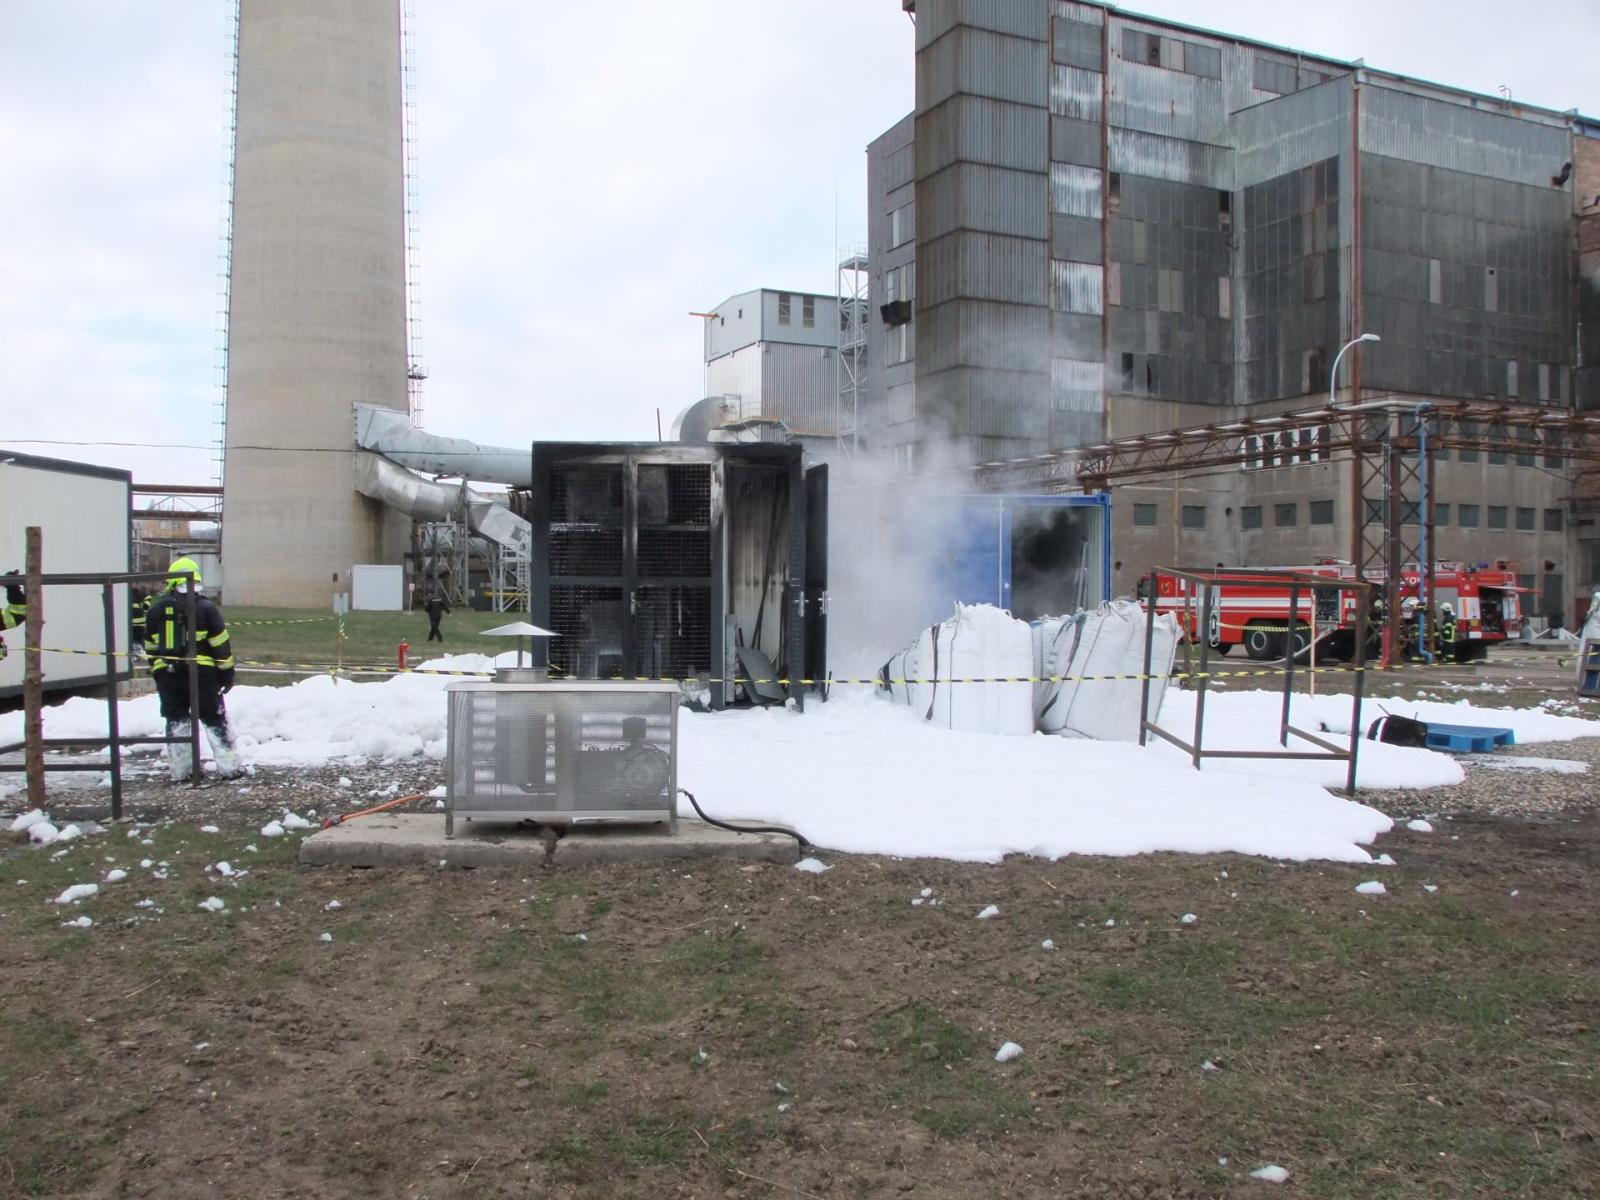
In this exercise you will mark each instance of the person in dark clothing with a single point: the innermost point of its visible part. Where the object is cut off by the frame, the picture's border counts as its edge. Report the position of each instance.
(15, 610)
(435, 606)
(168, 645)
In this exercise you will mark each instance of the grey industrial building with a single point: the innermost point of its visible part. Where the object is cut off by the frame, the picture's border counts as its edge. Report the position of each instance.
(773, 355)
(1096, 225)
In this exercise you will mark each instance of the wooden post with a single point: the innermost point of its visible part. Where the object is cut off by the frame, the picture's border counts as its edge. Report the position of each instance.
(33, 669)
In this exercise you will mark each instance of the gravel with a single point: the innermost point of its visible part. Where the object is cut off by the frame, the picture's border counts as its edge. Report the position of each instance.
(1501, 793)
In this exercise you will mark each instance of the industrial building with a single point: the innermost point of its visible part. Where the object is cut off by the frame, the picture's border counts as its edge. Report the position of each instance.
(1096, 225)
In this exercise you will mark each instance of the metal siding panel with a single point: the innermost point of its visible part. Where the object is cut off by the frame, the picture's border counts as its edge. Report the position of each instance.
(1076, 191)
(1283, 135)
(976, 129)
(1077, 287)
(978, 333)
(1459, 138)
(799, 387)
(1157, 100)
(988, 199)
(1078, 142)
(980, 63)
(1078, 44)
(1076, 93)
(1076, 239)
(1089, 14)
(982, 266)
(1155, 157)
(1019, 18)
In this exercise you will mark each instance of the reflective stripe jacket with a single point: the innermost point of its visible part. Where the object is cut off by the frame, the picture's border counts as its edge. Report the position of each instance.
(165, 642)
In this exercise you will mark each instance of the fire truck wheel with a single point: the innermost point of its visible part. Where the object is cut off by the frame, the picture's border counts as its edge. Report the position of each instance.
(1261, 643)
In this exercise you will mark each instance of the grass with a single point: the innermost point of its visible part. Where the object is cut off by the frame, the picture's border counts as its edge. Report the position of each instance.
(1444, 1022)
(370, 638)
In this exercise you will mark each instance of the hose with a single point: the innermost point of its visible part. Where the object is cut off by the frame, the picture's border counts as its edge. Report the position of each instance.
(778, 829)
(341, 818)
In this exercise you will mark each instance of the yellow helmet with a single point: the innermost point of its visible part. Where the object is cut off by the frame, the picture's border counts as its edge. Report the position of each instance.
(181, 570)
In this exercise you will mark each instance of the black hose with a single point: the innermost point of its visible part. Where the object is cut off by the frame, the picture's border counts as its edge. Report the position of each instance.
(780, 829)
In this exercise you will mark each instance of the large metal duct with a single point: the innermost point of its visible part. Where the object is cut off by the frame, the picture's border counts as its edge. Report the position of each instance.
(392, 435)
(421, 499)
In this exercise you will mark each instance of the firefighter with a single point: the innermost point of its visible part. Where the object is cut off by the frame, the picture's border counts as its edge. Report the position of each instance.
(1447, 626)
(168, 645)
(140, 602)
(15, 610)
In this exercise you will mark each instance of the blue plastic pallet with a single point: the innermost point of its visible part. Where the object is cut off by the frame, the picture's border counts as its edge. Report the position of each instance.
(1468, 739)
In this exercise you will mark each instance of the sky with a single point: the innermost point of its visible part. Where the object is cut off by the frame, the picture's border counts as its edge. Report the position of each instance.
(587, 177)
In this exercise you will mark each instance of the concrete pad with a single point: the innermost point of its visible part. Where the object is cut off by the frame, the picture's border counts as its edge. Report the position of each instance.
(694, 839)
(399, 839)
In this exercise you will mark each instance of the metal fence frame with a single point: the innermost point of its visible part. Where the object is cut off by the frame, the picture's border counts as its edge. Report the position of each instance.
(1201, 585)
(114, 740)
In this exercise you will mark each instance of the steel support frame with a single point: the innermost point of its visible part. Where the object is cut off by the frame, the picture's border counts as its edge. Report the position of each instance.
(115, 740)
(1204, 584)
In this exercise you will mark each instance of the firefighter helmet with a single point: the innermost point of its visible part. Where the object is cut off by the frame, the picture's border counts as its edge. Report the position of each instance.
(181, 571)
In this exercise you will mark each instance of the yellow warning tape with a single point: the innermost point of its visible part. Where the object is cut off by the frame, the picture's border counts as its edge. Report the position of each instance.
(697, 680)
(295, 621)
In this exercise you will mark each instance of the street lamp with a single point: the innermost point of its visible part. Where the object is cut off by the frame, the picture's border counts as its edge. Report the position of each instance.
(1333, 376)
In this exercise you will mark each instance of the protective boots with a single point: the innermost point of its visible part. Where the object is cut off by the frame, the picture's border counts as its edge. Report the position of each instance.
(229, 765)
(180, 757)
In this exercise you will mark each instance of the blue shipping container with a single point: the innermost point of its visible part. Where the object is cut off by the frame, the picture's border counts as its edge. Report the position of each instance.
(1036, 556)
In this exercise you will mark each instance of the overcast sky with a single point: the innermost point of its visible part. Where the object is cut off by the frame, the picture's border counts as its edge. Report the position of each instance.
(588, 175)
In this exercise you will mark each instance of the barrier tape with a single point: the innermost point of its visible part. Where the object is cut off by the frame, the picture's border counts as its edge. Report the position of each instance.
(706, 681)
(294, 621)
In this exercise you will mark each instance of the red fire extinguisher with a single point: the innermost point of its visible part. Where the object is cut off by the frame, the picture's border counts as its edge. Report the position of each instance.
(404, 646)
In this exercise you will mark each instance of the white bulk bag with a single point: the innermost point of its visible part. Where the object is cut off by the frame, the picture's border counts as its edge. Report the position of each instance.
(979, 642)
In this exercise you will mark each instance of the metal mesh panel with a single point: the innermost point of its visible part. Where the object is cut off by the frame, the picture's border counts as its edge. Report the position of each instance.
(664, 552)
(588, 621)
(578, 551)
(674, 519)
(586, 520)
(672, 631)
(560, 752)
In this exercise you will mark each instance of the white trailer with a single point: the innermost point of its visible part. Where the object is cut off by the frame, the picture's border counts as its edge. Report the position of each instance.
(86, 515)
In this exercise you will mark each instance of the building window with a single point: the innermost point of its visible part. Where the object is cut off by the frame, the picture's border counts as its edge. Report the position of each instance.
(808, 311)
(1555, 520)
(1144, 515)
(1467, 516)
(1322, 512)
(902, 226)
(1511, 378)
(1250, 516)
(1127, 373)
(1467, 456)
(1194, 516)
(1491, 290)
(1527, 518)
(1435, 281)
(1224, 297)
(1527, 583)
(1411, 514)
(1497, 516)
(1441, 515)
(1497, 458)
(1285, 516)
(785, 308)
(1377, 511)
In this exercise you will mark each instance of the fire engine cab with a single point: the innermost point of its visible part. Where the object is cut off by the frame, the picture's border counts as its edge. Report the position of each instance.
(1482, 599)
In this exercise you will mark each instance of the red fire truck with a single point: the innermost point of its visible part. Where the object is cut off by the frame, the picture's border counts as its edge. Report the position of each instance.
(1483, 598)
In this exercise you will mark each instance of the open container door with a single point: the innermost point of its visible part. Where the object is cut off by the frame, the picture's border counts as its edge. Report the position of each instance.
(816, 575)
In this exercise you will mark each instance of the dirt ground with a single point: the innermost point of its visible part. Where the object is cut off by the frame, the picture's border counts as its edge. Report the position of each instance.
(755, 1031)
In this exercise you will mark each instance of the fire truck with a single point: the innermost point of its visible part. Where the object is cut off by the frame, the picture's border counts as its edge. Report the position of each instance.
(1483, 597)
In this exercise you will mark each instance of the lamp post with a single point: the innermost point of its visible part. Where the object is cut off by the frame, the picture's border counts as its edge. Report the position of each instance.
(1333, 375)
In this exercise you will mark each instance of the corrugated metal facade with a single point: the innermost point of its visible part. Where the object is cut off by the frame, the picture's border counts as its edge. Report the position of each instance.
(1171, 214)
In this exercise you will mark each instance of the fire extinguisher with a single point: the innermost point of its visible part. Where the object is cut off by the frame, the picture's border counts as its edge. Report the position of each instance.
(404, 646)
